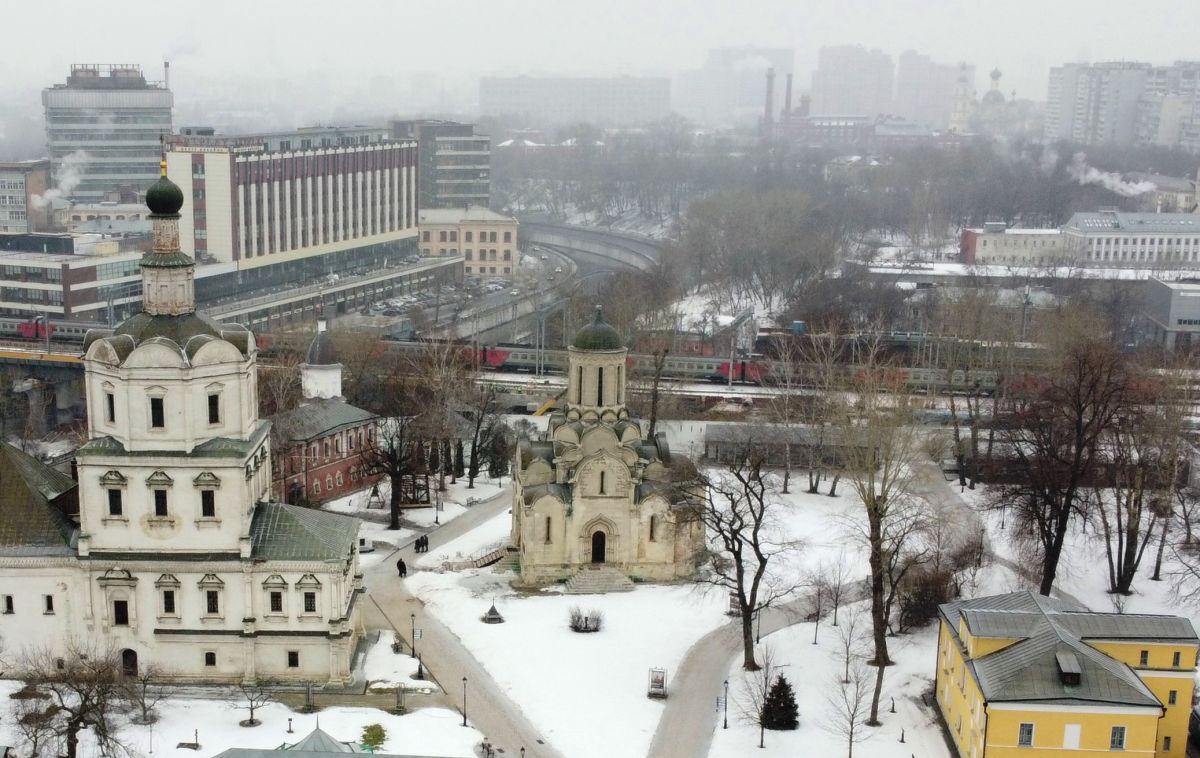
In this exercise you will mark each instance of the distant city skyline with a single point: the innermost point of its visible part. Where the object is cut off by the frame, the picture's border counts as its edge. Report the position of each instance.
(223, 40)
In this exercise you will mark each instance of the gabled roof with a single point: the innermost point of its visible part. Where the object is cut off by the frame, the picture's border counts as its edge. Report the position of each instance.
(318, 417)
(317, 741)
(32, 521)
(281, 532)
(1050, 631)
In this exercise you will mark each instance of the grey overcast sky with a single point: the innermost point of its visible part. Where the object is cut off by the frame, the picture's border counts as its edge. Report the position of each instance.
(222, 40)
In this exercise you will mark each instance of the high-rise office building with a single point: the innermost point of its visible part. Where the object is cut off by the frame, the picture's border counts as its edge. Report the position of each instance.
(1095, 104)
(611, 101)
(455, 163)
(927, 92)
(103, 129)
(308, 202)
(22, 186)
(852, 81)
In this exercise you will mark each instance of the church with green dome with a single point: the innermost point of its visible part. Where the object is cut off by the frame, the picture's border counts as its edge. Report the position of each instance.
(593, 500)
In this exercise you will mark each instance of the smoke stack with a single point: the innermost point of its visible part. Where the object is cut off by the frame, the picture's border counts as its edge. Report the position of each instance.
(787, 99)
(167, 74)
(770, 110)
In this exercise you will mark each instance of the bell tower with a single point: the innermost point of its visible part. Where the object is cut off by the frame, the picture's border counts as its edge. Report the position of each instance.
(596, 385)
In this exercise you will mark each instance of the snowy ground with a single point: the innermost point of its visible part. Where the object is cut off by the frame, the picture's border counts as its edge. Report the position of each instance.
(429, 731)
(386, 669)
(374, 527)
(546, 667)
(484, 538)
(815, 672)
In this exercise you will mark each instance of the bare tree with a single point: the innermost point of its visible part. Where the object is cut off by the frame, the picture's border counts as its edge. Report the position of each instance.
(787, 401)
(483, 419)
(255, 695)
(34, 718)
(849, 707)
(279, 387)
(147, 688)
(850, 640)
(393, 450)
(739, 510)
(84, 689)
(1053, 433)
(836, 574)
(879, 448)
(752, 696)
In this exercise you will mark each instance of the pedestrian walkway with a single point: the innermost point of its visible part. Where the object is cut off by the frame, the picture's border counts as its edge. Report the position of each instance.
(446, 660)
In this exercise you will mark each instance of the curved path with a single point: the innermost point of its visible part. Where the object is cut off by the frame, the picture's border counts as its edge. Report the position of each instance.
(390, 603)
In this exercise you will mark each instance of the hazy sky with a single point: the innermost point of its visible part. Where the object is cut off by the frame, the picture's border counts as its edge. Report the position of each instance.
(219, 40)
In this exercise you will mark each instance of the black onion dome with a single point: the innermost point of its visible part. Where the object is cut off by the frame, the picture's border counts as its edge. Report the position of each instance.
(164, 198)
(598, 335)
(321, 352)
(179, 329)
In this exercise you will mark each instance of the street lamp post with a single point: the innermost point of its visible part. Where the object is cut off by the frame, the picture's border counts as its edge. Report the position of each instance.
(413, 617)
(464, 701)
(726, 704)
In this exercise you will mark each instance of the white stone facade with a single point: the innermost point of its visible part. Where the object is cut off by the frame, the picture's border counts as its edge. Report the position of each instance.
(175, 556)
(595, 491)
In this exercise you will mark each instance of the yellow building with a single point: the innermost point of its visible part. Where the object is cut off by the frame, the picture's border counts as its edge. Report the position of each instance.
(1026, 675)
(487, 240)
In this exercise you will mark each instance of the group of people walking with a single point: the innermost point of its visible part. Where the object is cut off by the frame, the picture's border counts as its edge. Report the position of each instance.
(420, 545)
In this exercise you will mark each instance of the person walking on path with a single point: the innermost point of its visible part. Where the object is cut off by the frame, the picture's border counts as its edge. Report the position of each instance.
(403, 569)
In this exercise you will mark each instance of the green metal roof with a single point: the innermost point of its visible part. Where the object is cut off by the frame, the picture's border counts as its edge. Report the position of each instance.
(598, 335)
(316, 418)
(217, 447)
(281, 532)
(33, 497)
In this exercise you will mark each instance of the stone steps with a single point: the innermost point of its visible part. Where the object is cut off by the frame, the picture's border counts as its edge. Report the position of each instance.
(510, 562)
(597, 579)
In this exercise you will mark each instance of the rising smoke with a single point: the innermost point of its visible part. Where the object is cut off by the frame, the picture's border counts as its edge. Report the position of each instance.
(69, 175)
(1080, 171)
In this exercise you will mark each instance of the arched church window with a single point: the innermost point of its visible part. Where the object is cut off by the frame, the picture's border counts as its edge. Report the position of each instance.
(579, 387)
(600, 386)
(548, 523)
(652, 525)
(601, 482)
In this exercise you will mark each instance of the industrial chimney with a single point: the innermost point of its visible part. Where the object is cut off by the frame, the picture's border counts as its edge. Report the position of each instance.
(787, 100)
(770, 109)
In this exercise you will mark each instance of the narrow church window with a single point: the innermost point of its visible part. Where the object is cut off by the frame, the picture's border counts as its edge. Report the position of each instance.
(600, 386)
(160, 503)
(601, 482)
(548, 522)
(652, 525)
(8, 605)
(210, 659)
(110, 407)
(49, 608)
(276, 602)
(212, 602)
(214, 409)
(114, 503)
(157, 419)
(293, 658)
(168, 598)
(120, 613)
(310, 602)
(579, 385)
(208, 504)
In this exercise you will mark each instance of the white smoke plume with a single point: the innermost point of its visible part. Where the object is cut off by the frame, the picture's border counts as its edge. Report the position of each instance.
(1049, 161)
(69, 176)
(1080, 171)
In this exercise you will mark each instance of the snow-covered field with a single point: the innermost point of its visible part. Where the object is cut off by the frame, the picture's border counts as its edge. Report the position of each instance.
(815, 672)
(428, 731)
(568, 683)
(386, 669)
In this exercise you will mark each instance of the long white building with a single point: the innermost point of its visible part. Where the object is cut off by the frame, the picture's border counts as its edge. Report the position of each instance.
(1138, 240)
(260, 201)
(168, 547)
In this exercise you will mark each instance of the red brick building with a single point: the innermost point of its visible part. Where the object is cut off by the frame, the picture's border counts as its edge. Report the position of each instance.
(318, 445)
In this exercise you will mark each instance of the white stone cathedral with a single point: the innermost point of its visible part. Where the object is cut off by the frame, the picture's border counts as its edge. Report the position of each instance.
(593, 493)
(174, 554)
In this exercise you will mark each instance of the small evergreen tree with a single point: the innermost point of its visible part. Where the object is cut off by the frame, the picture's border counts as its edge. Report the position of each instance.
(779, 709)
(460, 467)
(373, 736)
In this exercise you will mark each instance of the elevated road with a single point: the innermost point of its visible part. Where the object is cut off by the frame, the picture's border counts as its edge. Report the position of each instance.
(591, 247)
